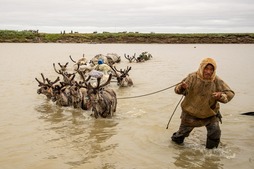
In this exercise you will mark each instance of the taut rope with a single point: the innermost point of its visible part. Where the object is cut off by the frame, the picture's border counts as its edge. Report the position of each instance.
(131, 97)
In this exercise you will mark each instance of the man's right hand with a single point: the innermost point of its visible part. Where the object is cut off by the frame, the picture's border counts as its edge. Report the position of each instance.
(184, 85)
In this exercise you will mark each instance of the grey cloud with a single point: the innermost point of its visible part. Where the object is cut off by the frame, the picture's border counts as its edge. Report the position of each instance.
(117, 15)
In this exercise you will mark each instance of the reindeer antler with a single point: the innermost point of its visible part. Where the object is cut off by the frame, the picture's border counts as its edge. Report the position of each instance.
(63, 67)
(113, 68)
(98, 83)
(130, 58)
(41, 83)
(80, 84)
(128, 69)
(43, 77)
(121, 71)
(107, 82)
(51, 83)
(72, 59)
(83, 76)
(59, 72)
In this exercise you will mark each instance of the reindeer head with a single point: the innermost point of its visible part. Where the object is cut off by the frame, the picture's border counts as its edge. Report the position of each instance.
(46, 88)
(63, 67)
(122, 76)
(128, 57)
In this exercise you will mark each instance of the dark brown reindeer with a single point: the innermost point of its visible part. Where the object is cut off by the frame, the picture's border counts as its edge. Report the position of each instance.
(79, 96)
(61, 94)
(46, 88)
(78, 93)
(103, 99)
(71, 93)
(122, 76)
(131, 59)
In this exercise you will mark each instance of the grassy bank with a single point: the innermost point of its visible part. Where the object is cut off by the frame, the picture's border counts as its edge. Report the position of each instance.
(10, 36)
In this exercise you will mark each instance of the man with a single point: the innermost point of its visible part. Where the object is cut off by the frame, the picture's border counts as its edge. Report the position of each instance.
(203, 90)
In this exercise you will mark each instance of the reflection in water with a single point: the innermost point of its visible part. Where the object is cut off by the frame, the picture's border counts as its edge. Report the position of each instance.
(100, 131)
(197, 159)
(194, 156)
(50, 112)
(84, 136)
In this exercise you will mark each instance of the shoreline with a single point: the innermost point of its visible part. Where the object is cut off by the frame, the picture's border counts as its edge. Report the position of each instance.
(9, 36)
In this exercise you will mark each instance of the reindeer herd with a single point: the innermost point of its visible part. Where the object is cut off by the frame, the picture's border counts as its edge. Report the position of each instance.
(86, 87)
(144, 56)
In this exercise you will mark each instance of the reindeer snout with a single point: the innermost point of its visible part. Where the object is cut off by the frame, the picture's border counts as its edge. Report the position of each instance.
(39, 91)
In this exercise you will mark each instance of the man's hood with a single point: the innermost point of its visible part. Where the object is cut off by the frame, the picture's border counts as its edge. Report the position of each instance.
(202, 66)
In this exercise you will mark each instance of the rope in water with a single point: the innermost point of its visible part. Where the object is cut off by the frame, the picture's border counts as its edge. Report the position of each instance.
(131, 97)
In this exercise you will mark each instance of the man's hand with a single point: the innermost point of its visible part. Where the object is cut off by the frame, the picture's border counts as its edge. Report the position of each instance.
(217, 95)
(184, 85)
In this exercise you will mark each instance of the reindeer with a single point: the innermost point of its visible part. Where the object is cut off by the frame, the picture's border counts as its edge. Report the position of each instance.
(79, 93)
(46, 88)
(103, 100)
(63, 68)
(122, 76)
(113, 58)
(67, 77)
(94, 60)
(130, 58)
(144, 56)
(71, 93)
(78, 96)
(81, 61)
(61, 95)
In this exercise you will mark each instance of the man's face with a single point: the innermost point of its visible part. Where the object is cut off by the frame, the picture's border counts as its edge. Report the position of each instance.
(208, 71)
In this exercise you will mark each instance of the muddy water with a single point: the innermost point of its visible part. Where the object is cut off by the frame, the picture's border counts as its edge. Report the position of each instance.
(35, 133)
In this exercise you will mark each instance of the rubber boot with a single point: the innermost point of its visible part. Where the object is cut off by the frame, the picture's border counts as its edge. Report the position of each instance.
(210, 144)
(177, 140)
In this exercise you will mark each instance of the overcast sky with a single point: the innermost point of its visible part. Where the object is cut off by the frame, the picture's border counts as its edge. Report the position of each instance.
(159, 16)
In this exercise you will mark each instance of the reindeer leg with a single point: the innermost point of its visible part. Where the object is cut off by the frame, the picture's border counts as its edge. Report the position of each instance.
(95, 113)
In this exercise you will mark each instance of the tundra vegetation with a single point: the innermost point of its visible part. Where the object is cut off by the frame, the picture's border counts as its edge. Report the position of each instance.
(34, 36)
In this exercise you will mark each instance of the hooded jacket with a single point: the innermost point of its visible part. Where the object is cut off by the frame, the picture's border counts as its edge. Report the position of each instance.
(198, 100)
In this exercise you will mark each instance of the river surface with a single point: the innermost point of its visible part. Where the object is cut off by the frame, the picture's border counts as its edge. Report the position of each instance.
(35, 133)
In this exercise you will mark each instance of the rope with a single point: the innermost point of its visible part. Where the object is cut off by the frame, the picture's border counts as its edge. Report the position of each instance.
(131, 97)
(174, 110)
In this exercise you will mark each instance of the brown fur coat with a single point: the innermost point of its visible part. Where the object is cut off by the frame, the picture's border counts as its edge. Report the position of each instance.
(198, 101)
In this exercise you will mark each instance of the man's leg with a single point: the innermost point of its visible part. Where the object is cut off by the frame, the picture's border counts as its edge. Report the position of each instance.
(179, 136)
(213, 134)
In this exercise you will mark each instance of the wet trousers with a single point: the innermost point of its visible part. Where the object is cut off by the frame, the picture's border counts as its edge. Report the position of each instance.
(188, 123)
